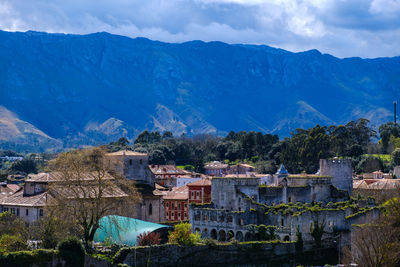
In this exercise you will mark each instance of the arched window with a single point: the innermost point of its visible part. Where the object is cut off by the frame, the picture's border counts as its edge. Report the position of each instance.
(150, 209)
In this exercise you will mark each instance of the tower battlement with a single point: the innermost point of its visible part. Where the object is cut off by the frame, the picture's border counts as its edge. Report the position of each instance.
(341, 172)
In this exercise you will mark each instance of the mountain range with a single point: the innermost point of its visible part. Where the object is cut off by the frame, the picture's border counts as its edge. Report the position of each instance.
(63, 90)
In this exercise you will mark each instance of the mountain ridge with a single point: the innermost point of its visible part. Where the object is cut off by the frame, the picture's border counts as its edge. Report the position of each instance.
(61, 83)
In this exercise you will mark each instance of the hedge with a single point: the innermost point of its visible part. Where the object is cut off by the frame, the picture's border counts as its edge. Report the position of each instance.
(40, 257)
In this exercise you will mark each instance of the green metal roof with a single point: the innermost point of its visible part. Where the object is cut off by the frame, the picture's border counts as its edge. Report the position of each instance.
(123, 230)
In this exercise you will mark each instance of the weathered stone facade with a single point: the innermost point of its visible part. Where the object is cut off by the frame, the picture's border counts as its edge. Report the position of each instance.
(341, 172)
(237, 203)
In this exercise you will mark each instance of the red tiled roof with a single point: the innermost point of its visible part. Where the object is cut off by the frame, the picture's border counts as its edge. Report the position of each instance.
(250, 175)
(178, 193)
(18, 199)
(244, 165)
(166, 169)
(13, 187)
(215, 165)
(202, 182)
(59, 177)
(126, 153)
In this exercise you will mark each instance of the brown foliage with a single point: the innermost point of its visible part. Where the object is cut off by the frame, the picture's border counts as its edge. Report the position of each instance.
(148, 239)
(377, 242)
(87, 188)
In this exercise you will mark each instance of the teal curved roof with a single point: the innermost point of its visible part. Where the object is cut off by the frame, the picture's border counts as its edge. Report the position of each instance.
(123, 230)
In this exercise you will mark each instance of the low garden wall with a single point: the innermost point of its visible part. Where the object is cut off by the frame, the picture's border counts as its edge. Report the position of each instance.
(255, 253)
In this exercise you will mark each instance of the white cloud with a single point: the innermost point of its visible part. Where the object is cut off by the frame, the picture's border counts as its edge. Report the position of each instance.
(367, 28)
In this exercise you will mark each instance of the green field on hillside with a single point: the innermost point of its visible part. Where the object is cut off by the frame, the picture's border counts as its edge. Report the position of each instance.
(386, 158)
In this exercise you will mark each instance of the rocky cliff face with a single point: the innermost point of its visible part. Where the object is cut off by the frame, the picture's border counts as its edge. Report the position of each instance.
(89, 89)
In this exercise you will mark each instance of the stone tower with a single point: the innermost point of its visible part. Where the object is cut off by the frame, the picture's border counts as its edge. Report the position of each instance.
(341, 172)
(133, 166)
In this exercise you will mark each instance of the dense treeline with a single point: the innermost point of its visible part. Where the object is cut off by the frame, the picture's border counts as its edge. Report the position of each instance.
(300, 152)
(165, 148)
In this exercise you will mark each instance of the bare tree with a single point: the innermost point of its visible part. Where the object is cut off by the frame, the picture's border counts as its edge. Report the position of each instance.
(84, 188)
(377, 242)
(374, 245)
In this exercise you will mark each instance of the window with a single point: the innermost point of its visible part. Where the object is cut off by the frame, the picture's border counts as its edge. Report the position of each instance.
(141, 161)
(172, 214)
(197, 194)
(185, 206)
(179, 206)
(130, 162)
(179, 215)
(185, 215)
(167, 204)
(41, 212)
(282, 222)
(150, 209)
(26, 212)
(173, 206)
(17, 211)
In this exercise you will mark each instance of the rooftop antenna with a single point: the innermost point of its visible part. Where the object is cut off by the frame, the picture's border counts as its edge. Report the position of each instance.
(394, 106)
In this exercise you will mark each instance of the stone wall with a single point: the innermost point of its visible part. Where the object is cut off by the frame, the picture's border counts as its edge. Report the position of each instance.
(257, 253)
(224, 191)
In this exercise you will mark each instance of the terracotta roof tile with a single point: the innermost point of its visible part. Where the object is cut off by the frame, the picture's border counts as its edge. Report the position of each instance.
(58, 177)
(18, 199)
(178, 193)
(202, 182)
(126, 153)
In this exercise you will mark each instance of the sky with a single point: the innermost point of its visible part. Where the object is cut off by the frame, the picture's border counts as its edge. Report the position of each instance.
(343, 28)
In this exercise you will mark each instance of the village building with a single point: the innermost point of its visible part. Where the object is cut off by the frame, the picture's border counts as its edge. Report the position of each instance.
(237, 203)
(200, 191)
(216, 168)
(170, 176)
(240, 168)
(176, 204)
(377, 175)
(29, 201)
(135, 166)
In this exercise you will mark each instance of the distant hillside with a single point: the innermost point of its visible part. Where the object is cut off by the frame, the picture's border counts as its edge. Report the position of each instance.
(90, 89)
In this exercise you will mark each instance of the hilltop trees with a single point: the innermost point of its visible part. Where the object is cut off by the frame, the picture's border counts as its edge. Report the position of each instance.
(299, 152)
(386, 132)
(302, 151)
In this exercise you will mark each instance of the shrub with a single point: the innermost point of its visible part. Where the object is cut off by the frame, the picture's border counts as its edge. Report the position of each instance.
(183, 236)
(39, 257)
(9, 243)
(148, 239)
(72, 251)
